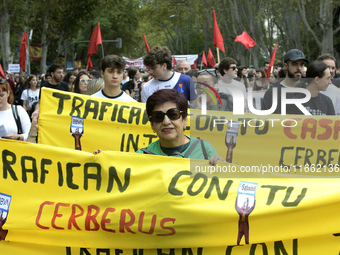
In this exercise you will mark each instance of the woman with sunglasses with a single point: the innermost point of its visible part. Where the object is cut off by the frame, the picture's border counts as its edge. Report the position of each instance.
(167, 111)
(10, 114)
(80, 83)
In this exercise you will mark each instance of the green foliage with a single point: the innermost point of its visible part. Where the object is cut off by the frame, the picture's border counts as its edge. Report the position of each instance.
(184, 26)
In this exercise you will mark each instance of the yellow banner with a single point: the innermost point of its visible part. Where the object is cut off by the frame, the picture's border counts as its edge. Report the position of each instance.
(274, 143)
(64, 201)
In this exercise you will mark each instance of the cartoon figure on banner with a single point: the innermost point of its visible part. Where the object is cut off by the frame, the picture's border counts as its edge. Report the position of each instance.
(4, 207)
(244, 205)
(77, 130)
(3, 218)
(230, 139)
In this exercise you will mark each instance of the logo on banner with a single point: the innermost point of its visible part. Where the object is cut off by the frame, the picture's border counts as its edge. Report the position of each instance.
(244, 205)
(5, 201)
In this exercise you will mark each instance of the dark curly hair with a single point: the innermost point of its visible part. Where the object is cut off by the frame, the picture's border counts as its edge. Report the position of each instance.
(113, 61)
(158, 55)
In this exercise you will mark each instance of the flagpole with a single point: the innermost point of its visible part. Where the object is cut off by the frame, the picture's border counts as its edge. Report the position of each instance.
(218, 55)
(264, 54)
(103, 51)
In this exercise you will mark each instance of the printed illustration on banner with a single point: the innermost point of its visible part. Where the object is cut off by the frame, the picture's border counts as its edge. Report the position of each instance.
(244, 205)
(77, 130)
(5, 201)
(230, 139)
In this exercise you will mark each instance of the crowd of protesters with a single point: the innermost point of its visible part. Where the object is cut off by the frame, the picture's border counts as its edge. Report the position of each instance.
(115, 81)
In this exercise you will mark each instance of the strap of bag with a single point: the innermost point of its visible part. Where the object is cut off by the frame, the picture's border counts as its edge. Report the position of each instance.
(204, 150)
(146, 151)
(17, 118)
(192, 147)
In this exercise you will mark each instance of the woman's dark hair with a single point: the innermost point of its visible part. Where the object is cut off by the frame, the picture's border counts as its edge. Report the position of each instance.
(67, 76)
(239, 71)
(6, 88)
(29, 79)
(132, 72)
(77, 80)
(20, 79)
(316, 68)
(259, 70)
(167, 95)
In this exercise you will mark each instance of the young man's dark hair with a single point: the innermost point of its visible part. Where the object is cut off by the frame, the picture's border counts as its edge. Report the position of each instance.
(95, 74)
(113, 61)
(225, 64)
(158, 55)
(265, 63)
(316, 68)
(54, 67)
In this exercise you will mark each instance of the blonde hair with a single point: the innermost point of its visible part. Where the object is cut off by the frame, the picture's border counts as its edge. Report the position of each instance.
(94, 86)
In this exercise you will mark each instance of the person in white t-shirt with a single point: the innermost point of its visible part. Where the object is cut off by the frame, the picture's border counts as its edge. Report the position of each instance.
(31, 95)
(228, 69)
(332, 91)
(112, 72)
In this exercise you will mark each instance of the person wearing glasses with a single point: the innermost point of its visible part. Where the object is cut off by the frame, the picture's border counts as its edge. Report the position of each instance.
(80, 83)
(228, 70)
(167, 112)
(14, 120)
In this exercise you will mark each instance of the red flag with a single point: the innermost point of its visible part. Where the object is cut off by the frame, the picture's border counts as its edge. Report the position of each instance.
(204, 60)
(218, 39)
(23, 48)
(96, 39)
(272, 60)
(146, 43)
(2, 74)
(210, 58)
(173, 60)
(246, 40)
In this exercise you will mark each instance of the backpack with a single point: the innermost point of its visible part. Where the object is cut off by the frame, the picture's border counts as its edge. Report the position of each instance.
(17, 118)
(186, 155)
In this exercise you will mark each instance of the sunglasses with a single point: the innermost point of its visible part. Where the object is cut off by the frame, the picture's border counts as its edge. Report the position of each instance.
(172, 113)
(83, 80)
(233, 67)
